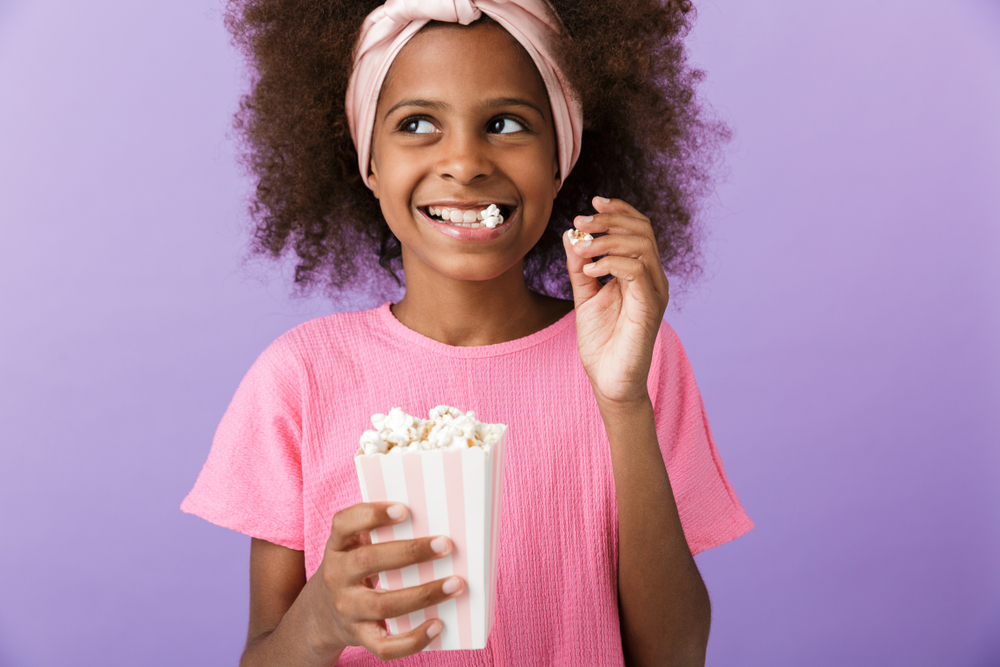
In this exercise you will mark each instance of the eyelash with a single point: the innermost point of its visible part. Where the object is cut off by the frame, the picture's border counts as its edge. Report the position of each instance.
(415, 119)
(410, 119)
(520, 121)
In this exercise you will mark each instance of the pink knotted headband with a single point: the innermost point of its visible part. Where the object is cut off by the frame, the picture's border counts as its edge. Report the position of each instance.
(533, 23)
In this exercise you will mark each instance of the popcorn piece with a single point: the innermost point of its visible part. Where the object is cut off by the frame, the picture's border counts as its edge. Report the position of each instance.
(575, 235)
(445, 428)
(491, 216)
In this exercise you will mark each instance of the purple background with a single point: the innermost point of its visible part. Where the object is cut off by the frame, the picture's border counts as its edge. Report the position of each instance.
(845, 337)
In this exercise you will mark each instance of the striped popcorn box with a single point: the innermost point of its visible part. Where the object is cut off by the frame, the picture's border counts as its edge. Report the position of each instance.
(456, 492)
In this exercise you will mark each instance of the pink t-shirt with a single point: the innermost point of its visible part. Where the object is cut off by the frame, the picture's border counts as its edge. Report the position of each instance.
(282, 464)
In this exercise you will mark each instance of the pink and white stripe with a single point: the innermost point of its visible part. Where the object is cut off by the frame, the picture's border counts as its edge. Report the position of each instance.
(457, 493)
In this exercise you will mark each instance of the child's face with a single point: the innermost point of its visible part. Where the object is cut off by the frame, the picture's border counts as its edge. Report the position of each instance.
(463, 121)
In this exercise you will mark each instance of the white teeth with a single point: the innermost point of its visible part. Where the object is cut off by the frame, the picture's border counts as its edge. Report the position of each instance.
(490, 216)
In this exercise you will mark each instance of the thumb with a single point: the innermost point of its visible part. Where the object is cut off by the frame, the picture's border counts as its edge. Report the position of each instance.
(584, 287)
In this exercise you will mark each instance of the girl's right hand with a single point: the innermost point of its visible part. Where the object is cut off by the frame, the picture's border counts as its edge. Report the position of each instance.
(350, 611)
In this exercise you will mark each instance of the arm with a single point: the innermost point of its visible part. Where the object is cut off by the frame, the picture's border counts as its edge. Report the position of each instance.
(663, 603)
(309, 623)
(278, 600)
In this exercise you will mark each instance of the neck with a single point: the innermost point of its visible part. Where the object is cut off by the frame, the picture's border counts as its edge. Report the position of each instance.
(467, 313)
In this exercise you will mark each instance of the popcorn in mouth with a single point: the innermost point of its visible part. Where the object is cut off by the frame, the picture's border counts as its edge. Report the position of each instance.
(445, 428)
(489, 216)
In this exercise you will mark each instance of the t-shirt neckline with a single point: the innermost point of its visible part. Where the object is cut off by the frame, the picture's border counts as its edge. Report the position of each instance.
(397, 328)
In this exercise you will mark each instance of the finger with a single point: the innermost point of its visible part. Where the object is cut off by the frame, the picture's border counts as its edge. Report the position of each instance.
(627, 270)
(585, 287)
(362, 518)
(390, 647)
(379, 604)
(641, 248)
(615, 223)
(615, 216)
(620, 245)
(370, 559)
(619, 206)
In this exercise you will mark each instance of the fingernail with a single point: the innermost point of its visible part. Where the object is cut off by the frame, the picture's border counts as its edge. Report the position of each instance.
(605, 200)
(451, 585)
(434, 630)
(396, 512)
(585, 218)
(589, 267)
(583, 243)
(439, 545)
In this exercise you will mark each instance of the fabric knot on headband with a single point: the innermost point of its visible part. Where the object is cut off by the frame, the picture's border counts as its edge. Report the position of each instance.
(533, 23)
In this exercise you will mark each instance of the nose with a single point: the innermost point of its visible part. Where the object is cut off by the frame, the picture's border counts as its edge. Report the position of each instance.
(465, 158)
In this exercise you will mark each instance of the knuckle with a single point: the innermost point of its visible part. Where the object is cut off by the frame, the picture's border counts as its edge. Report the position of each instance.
(341, 607)
(415, 550)
(368, 514)
(364, 559)
(337, 525)
(341, 524)
(382, 606)
(330, 577)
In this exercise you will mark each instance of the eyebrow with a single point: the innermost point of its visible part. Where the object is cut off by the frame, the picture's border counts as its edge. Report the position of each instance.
(488, 104)
(424, 104)
(512, 102)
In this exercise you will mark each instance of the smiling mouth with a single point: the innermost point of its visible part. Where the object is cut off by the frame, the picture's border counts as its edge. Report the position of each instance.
(490, 216)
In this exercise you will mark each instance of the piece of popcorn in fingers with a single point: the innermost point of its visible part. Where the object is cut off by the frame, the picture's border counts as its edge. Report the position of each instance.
(575, 236)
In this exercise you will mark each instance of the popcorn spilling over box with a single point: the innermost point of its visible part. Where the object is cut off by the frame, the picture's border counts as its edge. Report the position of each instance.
(448, 469)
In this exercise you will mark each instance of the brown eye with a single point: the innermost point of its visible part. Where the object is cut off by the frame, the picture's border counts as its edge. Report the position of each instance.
(504, 126)
(417, 126)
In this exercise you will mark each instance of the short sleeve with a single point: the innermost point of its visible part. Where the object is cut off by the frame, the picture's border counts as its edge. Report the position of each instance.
(710, 512)
(252, 480)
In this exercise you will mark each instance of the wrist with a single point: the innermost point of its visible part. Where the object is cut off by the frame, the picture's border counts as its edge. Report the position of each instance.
(626, 410)
(320, 642)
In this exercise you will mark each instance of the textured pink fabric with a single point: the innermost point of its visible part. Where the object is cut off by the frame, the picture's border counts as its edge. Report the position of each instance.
(282, 464)
(384, 33)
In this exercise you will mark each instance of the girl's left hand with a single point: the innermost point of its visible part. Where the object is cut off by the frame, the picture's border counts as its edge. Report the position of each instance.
(617, 324)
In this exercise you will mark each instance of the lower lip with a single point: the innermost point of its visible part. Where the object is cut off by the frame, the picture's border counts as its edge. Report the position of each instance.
(481, 233)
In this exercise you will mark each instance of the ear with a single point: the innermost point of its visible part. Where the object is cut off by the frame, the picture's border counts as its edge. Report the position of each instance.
(373, 177)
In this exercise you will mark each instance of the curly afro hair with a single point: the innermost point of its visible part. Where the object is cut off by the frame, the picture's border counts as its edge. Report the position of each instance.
(646, 139)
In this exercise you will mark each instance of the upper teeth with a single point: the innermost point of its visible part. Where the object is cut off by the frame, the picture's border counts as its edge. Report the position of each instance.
(468, 217)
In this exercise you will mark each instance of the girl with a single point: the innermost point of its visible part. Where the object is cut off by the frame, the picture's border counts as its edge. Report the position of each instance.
(389, 131)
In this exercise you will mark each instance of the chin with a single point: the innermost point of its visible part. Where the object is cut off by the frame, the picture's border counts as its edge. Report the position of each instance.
(473, 271)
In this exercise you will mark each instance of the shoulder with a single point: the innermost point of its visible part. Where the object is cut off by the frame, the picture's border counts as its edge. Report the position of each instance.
(670, 374)
(336, 336)
(327, 348)
(668, 350)
(667, 339)
(330, 330)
